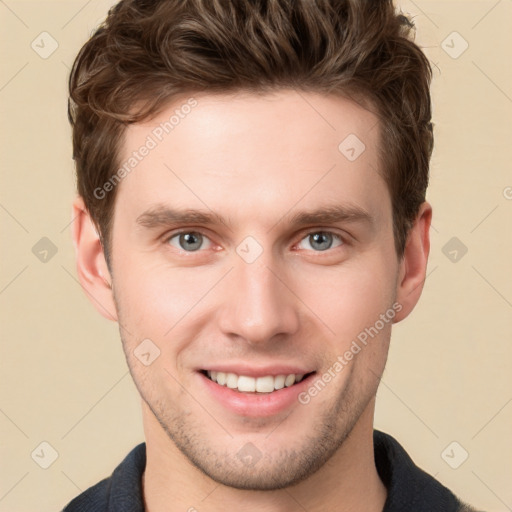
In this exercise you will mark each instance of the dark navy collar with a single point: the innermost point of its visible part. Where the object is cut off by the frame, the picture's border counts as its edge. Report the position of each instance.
(409, 487)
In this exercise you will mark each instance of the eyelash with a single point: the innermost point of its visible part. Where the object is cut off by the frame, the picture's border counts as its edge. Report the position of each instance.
(342, 239)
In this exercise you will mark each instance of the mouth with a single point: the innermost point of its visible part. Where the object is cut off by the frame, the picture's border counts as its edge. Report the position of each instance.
(264, 384)
(255, 392)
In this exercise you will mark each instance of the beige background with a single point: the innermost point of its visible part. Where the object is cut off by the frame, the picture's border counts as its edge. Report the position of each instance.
(63, 375)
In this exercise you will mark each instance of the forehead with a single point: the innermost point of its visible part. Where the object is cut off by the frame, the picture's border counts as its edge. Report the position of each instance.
(253, 153)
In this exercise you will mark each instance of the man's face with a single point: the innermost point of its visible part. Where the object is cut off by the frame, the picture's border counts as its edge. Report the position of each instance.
(256, 286)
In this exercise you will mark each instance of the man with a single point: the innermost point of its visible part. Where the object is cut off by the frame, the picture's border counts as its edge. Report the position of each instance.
(252, 213)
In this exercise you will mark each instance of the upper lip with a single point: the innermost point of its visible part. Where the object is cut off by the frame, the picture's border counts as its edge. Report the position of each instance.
(258, 371)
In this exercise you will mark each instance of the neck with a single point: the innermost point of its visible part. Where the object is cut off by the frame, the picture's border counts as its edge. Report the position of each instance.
(347, 482)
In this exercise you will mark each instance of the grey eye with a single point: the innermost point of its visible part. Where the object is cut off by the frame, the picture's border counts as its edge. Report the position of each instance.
(187, 241)
(321, 241)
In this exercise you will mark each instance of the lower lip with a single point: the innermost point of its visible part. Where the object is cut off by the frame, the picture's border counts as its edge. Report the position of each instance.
(255, 404)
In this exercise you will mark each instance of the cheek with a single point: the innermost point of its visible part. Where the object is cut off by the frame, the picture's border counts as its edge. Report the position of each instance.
(156, 297)
(349, 298)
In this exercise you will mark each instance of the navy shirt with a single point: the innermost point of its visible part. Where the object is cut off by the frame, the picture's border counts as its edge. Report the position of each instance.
(409, 488)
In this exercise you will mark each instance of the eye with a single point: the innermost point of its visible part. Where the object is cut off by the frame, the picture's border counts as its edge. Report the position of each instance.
(189, 241)
(321, 241)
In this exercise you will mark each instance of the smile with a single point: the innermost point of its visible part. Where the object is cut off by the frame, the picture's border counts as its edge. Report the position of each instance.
(246, 384)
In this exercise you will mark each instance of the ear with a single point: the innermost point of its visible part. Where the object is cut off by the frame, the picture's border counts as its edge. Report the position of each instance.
(413, 266)
(91, 265)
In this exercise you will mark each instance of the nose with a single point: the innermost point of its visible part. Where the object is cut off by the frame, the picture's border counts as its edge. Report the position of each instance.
(257, 305)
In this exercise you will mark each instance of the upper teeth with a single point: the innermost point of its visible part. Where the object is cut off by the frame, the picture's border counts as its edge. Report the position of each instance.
(265, 384)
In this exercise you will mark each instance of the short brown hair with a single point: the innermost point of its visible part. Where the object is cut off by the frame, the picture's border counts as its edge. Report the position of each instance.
(147, 52)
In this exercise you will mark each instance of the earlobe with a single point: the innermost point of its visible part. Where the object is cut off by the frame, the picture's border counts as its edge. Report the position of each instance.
(91, 265)
(413, 267)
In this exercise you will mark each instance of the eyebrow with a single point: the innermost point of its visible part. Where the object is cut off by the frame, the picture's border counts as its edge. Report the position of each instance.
(163, 216)
(331, 215)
